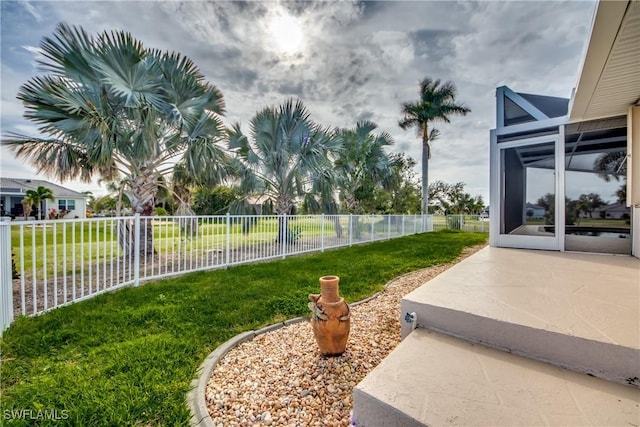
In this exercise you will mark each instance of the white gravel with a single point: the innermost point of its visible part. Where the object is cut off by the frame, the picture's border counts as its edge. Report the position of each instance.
(280, 378)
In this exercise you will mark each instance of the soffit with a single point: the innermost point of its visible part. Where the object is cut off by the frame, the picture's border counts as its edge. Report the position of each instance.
(610, 77)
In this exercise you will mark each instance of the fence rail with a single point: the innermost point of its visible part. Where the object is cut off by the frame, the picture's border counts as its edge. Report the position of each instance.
(47, 264)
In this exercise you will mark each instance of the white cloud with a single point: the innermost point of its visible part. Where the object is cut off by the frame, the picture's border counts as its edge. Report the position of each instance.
(31, 9)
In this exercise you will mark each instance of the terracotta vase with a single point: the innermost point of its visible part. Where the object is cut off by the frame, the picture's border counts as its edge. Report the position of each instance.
(330, 317)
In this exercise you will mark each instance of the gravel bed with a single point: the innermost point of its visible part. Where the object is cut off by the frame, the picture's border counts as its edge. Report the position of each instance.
(280, 379)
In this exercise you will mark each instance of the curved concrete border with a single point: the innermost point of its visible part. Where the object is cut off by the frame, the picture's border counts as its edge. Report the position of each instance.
(196, 397)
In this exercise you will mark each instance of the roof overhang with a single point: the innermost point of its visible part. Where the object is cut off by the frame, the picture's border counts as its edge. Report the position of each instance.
(609, 79)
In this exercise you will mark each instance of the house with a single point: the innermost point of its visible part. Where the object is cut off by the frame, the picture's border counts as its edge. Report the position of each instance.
(534, 211)
(532, 330)
(613, 211)
(13, 190)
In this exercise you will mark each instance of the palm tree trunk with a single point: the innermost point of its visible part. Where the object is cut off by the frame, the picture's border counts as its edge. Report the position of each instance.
(283, 207)
(143, 189)
(337, 226)
(425, 173)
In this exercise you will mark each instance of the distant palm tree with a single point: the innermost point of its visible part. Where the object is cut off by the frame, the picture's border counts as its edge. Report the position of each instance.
(38, 196)
(437, 102)
(286, 157)
(611, 165)
(27, 205)
(361, 163)
(113, 108)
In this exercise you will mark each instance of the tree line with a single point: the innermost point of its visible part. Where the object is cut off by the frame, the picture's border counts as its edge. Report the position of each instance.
(148, 124)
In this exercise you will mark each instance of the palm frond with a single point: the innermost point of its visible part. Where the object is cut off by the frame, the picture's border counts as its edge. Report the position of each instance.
(61, 159)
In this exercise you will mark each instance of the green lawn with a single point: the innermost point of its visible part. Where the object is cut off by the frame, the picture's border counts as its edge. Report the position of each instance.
(128, 357)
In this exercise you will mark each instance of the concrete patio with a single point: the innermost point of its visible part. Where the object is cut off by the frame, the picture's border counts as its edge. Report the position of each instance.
(515, 337)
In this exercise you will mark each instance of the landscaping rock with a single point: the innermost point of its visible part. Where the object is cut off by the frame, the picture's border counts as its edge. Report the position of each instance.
(280, 378)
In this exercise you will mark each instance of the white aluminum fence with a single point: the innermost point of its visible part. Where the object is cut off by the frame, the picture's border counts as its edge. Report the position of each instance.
(58, 262)
(471, 223)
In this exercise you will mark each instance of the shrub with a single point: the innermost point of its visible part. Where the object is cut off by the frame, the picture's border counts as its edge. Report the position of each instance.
(160, 211)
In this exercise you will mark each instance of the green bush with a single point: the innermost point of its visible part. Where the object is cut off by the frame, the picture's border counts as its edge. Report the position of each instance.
(160, 211)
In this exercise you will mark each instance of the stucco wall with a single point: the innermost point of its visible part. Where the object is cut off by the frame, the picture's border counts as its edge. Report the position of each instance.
(79, 211)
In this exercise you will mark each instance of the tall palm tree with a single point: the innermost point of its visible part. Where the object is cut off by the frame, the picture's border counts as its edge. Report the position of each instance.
(361, 163)
(38, 196)
(111, 107)
(286, 156)
(437, 102)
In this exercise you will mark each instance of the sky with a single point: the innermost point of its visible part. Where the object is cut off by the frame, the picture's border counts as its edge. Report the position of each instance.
(347, 61)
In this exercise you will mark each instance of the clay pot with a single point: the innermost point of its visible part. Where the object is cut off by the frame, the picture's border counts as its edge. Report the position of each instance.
(330, 317)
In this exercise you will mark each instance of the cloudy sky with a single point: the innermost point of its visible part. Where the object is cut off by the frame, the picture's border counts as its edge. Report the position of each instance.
(347, 61)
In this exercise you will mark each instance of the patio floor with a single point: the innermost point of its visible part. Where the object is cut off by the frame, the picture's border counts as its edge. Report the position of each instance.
(573, 310)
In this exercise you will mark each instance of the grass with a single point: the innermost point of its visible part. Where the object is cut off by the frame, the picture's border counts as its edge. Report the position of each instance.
(128, 357)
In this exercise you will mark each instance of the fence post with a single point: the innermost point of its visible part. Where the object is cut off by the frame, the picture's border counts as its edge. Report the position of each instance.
(284, 235)
(403, 225)
(136, 249)
(322, 233)
(389, 227)
(372, 230)
(227, 249)
(6, 281)
(350, 229)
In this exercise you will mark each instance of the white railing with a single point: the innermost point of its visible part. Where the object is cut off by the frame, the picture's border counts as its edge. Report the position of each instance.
(472, 223)
(47, 264)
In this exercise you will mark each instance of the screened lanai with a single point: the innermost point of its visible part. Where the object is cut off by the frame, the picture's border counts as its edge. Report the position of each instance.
(576, 172)
(561, 169)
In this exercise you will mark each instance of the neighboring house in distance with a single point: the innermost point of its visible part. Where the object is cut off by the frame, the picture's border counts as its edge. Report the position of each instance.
(537, 212)
(13, 190)
(612, 211)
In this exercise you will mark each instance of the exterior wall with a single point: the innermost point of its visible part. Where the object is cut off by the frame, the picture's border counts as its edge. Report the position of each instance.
(78, 212)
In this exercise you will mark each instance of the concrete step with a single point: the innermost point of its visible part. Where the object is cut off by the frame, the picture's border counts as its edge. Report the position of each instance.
(578, 311)
(436, 379)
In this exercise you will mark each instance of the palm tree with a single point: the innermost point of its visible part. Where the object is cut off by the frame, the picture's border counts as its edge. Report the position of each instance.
(361, 163)
(437, 102)
(27, 205)
(38, 196)
(611, 165)
(286, 157)
(113, 108)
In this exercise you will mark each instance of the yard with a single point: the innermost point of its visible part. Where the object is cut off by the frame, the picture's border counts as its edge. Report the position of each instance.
(98, 239)
(127, 357)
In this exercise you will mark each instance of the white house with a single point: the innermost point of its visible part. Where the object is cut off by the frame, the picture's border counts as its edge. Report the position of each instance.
(535, 211)
(613, 211)
(13, 190)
